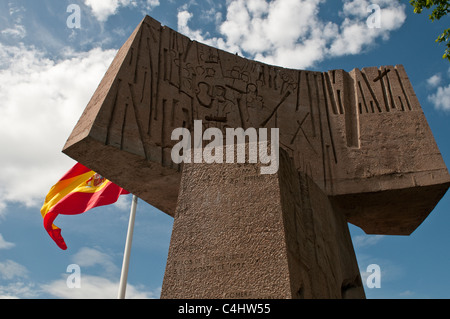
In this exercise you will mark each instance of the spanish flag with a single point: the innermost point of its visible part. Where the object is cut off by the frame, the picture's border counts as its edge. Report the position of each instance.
(79, 190)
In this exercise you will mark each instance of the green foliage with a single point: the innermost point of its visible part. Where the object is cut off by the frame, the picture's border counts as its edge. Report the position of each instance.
(440, 8)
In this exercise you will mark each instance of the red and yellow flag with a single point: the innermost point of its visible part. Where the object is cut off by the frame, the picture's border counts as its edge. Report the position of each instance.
(79, 190)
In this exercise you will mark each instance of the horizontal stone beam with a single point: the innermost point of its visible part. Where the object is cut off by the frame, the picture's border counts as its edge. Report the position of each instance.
(361, 136)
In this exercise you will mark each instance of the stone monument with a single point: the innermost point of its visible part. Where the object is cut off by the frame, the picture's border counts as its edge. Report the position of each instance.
(354, 147)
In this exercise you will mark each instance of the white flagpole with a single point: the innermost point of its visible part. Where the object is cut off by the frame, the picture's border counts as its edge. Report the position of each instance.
(126, 256)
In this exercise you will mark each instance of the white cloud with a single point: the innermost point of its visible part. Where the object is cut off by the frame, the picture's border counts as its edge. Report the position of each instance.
(435, 80)
(103, 9)
(366, 240)
(183, 19)
(283, 32)
(354, 34)
(17, 32)
(93, 287)
(89, 257)
(18, 284)
(123, 203)
(41, 102)
(4, 244)
(357, 8)
(11, 270)
(407, 294)
(291, 33)
(152, 3)
(441, 99)
(19, 289)
(105, 286)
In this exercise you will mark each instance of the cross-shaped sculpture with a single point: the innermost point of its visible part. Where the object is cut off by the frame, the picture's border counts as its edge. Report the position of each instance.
(354, 147)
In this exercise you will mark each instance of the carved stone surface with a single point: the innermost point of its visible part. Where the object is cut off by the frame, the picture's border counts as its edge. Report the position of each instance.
(360, 137)
(280, 238)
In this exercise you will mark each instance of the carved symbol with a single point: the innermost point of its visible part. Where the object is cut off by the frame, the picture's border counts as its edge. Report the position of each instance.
(378, 78)
(300, 128)
(220, 119)
(203, 95)
(276, 108)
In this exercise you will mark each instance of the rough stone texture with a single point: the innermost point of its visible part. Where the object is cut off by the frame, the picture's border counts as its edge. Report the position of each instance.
(360, 137)
(280, 238)
(357, 133)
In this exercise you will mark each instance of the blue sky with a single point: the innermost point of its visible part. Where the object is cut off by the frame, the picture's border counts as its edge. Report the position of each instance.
(49, 71)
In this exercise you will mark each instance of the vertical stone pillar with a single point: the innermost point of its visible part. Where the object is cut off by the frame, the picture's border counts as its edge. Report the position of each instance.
(240, 234)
